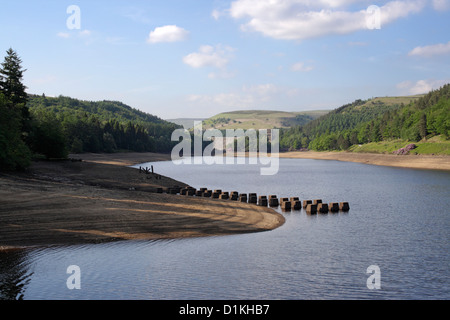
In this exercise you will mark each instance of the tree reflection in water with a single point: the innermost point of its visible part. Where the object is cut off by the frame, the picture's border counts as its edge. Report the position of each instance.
(14, 274)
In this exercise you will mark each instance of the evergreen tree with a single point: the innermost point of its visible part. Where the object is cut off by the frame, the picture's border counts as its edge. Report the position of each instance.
(11, 75)
(423, 126)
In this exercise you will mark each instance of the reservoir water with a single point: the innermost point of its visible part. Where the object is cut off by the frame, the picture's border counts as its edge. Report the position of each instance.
(398, 221)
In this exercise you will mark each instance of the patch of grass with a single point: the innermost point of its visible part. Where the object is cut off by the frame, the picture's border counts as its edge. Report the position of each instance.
(379, 147)
(436, 145)
(439, 148)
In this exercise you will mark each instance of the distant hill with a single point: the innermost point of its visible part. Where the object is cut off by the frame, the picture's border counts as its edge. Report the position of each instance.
(103, 126)
(403, 119)
(260, 119)
(350, 115)
(103, 109)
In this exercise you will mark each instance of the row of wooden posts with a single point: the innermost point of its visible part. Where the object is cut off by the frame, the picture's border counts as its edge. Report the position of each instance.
(286, 204)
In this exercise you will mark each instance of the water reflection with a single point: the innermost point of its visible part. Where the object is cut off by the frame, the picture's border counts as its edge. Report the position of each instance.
(14, 274)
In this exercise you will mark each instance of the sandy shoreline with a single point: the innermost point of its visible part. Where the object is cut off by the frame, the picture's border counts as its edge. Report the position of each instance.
(94, 201)
(122, 159)
(431, 162)
(401, 161)
(101, 199)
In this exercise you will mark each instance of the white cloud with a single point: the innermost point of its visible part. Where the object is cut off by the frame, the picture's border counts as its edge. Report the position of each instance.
(420, 86)
(441, 5)
(302, 19)
(170, 33)
(432, 50)
(209, 56)
(301, 67)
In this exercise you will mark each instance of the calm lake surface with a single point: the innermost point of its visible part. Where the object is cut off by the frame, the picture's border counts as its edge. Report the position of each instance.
(398, 220)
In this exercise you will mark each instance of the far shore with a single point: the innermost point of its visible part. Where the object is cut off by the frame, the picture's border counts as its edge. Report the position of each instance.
(431, 162)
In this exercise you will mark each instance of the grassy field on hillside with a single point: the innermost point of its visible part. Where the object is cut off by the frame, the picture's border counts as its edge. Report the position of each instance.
(260, 119)
(390, 101)
(436, 145)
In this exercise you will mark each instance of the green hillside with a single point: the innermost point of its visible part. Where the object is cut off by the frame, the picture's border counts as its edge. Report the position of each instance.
(101, 126)
(103, 109)
(378, 124)
(260, 119)
(350, 115)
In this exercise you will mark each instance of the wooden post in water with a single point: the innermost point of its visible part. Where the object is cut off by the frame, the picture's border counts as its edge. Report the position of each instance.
(344, 206)
(224, 195)
(322, 208)
(296, 205)
(262, 201)
(311, 208)
(286, 205)
(273, 201)
(207, 193)
(333, 207)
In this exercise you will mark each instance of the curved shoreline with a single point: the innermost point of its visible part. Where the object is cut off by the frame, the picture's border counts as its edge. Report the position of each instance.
(95, 201)
(428, 162)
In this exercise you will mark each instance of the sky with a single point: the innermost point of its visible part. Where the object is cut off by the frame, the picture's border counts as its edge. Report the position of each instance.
(198, 58)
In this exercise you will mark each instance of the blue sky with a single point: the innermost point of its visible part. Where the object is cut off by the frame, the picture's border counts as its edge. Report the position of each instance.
(197, 58)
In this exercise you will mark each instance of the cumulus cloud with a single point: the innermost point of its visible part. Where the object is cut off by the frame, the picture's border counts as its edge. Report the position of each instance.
(210, 56)
(431, 50)
(303, 19)
(169, 33)
(420, 86)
